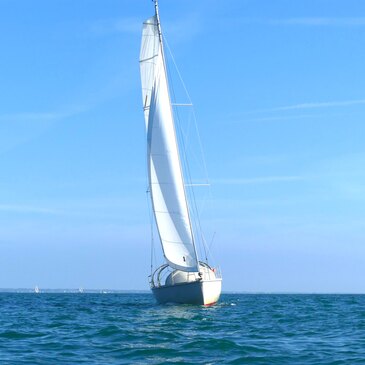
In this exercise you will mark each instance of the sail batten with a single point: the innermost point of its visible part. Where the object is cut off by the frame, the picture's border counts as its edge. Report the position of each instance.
(164, 171)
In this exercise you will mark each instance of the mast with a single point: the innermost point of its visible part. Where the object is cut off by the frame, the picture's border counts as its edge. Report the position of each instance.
(158, 22)
(164, 64)
(166, 180)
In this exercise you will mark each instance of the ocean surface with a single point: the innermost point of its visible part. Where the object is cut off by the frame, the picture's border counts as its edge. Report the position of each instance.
(84, 328)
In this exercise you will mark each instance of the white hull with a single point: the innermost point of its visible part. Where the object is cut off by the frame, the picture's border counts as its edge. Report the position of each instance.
(204, 292)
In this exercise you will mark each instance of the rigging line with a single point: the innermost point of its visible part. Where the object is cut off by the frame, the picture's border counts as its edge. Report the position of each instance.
(177, 70)
(212, 240)
(151, 227)
(186, 135)
(194, 115)
(186, 165)
(197, 222)
(205, 170)
(205, 248)
(200, 146)
(210, 252)
(188, 95)
(198, 160)
(180, 77)
(166, 68)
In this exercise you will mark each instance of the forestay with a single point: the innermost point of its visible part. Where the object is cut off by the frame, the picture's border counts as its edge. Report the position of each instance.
(164, 171)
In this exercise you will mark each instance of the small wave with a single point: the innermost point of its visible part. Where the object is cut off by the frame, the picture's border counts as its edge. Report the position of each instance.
(130, 328)
(15, 335)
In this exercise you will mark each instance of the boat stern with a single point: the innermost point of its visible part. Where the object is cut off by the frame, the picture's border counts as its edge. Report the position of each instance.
(200, 288)
(211, 290)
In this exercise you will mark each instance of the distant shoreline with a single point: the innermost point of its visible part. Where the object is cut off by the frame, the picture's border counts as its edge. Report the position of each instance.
(120, 291)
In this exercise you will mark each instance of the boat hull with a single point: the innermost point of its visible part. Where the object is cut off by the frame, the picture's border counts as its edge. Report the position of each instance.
(204, 292)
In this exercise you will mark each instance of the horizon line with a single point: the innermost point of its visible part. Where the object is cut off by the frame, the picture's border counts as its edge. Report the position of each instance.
(147, 291)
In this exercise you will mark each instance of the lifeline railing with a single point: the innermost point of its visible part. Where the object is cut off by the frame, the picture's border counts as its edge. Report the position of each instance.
(159, 276)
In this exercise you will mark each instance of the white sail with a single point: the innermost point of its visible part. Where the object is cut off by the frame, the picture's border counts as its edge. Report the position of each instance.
(164, 170)
(150, 49)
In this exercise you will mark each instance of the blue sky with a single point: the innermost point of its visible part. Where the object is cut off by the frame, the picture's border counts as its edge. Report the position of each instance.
(278, 89)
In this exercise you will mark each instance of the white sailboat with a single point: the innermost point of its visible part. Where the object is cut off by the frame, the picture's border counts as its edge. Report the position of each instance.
(183, 278)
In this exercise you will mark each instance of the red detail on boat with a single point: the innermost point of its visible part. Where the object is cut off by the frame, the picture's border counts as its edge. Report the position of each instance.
(209, 304)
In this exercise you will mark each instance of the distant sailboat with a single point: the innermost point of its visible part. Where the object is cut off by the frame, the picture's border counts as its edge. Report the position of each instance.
(36, 290)
(183, 278)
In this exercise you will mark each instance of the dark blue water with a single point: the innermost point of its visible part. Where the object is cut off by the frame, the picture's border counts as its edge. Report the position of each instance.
(131, 329)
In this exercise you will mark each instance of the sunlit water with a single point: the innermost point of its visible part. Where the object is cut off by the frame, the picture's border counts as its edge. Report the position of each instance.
(132, 329)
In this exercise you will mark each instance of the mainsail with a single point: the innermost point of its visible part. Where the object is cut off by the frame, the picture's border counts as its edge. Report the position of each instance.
(150, 51)
(164, 170)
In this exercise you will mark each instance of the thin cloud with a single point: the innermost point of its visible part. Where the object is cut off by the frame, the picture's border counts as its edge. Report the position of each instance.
(258, 180)
(303, 21)
(26, 209)
(321, 21)
(300, 106)
(178, 29)
(182, 29)
(42, 116)
(316, 105)
(281, 118)
(21, 127)
(120, 25)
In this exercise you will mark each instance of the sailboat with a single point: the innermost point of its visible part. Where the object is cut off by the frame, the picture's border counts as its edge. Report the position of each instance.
(183, 278)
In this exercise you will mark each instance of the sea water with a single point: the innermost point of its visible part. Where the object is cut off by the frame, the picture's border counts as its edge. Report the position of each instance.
(83, 328)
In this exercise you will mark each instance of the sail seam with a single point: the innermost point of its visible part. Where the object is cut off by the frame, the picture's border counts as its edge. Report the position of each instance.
(176, 242)
(149, 58)
(169, 212)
